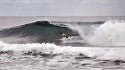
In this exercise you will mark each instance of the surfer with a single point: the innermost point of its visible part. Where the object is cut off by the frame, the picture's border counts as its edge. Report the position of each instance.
(64, 35)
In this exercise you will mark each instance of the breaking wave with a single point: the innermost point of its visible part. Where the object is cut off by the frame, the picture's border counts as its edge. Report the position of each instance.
(109, 33)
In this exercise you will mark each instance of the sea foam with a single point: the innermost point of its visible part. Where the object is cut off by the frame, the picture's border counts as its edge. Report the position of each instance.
(105, 53)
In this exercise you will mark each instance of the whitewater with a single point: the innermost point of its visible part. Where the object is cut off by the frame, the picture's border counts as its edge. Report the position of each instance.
(102, 49)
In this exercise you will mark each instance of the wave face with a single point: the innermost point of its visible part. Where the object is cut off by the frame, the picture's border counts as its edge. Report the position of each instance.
(39, 31)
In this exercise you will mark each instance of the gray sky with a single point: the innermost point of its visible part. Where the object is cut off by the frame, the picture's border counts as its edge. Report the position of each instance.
(62, 7)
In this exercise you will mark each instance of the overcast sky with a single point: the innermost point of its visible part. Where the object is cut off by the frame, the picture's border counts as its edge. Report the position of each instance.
(62, 7)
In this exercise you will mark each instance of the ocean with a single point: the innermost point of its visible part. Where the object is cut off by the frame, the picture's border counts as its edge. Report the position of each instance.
(62, 43)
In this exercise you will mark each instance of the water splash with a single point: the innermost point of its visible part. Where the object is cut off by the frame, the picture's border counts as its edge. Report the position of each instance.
(111, 33)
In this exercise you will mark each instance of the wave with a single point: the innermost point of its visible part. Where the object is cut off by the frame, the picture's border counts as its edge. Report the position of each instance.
(39, 31)
(109, 33)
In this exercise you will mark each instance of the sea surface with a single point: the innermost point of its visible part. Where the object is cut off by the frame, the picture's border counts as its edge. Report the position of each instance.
(62, 43)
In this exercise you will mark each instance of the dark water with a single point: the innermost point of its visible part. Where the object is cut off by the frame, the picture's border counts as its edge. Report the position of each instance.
(42, 31)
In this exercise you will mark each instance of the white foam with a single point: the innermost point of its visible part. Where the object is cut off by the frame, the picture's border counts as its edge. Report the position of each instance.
(98, 52)
(110, 33)
(114, 54)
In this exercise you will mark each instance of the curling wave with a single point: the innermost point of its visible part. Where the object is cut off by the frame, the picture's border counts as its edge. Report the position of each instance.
(39, 31)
